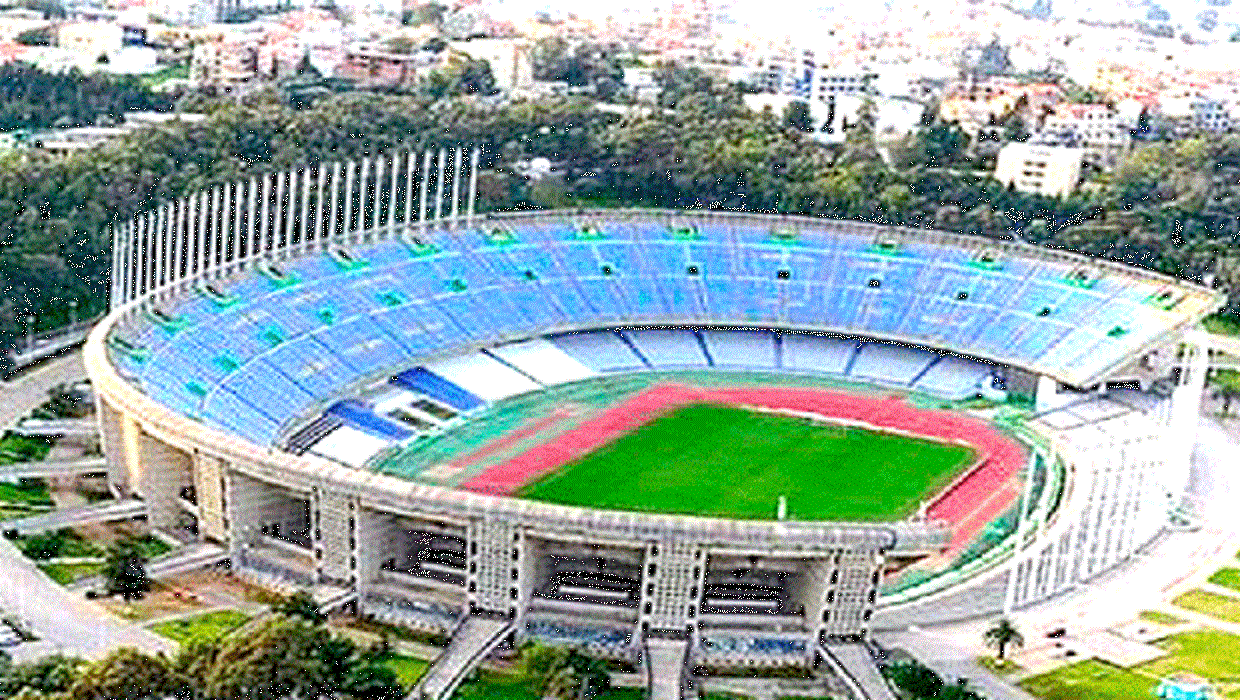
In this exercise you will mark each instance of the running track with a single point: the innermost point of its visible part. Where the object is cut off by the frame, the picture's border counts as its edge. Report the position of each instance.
(969, 503)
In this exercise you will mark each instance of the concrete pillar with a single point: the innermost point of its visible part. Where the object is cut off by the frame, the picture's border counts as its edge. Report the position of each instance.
(426, 183)
(209, 487)
(112, 442)
(473, 186)
(495, 550)
(165, 471)
(672, 583)
(456, 184)
(251, 223)
(1047, 397)
(335, 535)
(333, 203)
(350, 171)
(439, 184)
(410, 173)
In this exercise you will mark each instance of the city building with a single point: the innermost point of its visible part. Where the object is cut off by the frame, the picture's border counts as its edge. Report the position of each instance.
(1047, 170)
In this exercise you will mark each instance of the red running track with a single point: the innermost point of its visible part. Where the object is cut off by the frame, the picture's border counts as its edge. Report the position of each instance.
(969, 503)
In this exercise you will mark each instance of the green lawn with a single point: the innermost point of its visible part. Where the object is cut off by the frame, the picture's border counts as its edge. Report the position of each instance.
(19, 448)
(1090, 680)
(491, 685)
(27, 492)
(206, 627)
(1161, 618)
(408, 669)
(1213, 604)
(726, 461)
(65, 574)
(1208, 653)
(1227, 577)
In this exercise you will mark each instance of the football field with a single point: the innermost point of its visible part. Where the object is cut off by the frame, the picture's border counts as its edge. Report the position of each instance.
(717, 460)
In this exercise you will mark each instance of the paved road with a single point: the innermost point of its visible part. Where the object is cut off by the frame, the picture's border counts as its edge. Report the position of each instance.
(65, 622)
(26, 392)
(942, 653)
(107, 511)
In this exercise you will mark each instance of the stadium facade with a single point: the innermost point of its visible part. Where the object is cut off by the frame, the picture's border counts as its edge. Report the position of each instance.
(254, 319)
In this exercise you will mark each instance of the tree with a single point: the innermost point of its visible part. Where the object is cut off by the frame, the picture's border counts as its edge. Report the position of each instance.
(300, 605)
(52, 674)
(797, 116)
(1002, 634)
(370, 679)
(125, 674)
(45, 545)
(276, 660)
(124, 569)
(915, 679)
(1226, 383)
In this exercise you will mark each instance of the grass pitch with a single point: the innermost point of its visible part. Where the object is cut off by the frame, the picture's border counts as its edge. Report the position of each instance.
(730, 462)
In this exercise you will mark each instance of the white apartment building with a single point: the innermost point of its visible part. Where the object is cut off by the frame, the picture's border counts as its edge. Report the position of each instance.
(1100, 130)
(1047, 170)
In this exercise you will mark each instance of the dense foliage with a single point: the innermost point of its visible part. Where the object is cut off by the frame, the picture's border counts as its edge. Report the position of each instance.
(33, 99)
(1170, 207)
(276, 658)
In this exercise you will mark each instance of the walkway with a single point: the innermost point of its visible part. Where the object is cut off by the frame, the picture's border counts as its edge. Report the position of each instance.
(65, 622)
(107, 511)
(52, 469)
(29, 391)
(666, 659)
(856, 667)
(472, 642)
(195, 556)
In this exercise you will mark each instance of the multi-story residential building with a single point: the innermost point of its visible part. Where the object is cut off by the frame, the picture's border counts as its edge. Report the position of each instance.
(1047, 170)
(370, 65)
(511, 60)
(1099, 129)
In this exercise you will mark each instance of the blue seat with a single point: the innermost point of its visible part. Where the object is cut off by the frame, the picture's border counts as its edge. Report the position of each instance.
(424, 381)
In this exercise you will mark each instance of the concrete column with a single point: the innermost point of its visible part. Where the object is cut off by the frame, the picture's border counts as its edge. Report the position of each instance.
(363, 197)
(392, 190)
(347, 225)
(318, 233)
(410, 161)
(165, 468)
(280, 228)
(335, 535)
(456, 184)
(174, 267)
(303, 222)
(1047, 397)
(201, 236)
(251, 222)
(218, 228)
(495, 549)
(473, 185)
(264, 196)
(227, 226)
(426, 183)
(209, 487)
(442, 168)
(376, 207)
(333, 204)
(111, 439)
(674, 571)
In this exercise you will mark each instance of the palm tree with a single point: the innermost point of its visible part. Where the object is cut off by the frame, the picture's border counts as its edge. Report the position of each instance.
(1001, 635)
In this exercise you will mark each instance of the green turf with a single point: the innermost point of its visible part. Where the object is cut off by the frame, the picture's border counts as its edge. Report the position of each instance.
(1212, 604)
(408, 669)
(65, 574)
(205, 627)
(726, 461)
(1227, 577)
(1090, 680)
(490, 685)
(1161, 618)
(1207, 653)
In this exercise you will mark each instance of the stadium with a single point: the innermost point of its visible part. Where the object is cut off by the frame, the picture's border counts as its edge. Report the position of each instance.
(687, 440)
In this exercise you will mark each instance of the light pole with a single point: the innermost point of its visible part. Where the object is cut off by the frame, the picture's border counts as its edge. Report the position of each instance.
(73, 312)
(29, 333)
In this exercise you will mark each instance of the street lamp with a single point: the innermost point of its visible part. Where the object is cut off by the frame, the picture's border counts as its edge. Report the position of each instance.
(73, 312)
(29, 333)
